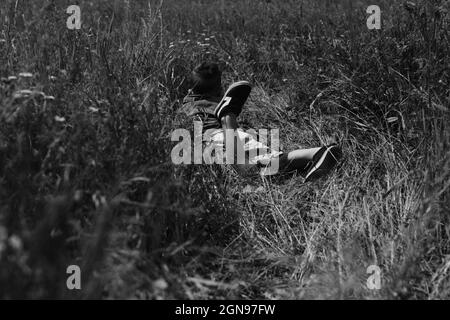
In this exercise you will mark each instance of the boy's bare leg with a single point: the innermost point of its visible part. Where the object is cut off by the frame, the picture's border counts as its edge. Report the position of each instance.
(230, 124)
(297, 159)
(229, 121)
(294, 160)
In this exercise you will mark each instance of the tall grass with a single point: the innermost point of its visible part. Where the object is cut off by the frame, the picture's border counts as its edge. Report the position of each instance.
(85, 171)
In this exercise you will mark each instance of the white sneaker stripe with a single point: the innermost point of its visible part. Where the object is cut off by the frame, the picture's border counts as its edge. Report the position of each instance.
(223, 103)
(226, 101)
(319, 163)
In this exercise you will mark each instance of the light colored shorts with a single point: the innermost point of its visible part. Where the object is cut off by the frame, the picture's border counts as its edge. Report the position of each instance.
(256, 153)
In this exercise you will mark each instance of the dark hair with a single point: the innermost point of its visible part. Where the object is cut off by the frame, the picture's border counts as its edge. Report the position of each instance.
(207, 78)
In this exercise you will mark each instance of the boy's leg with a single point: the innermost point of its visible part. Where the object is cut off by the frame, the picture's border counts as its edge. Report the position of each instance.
(313, 163)
(229, 121)
(231, 138)
(297, 159)
(227, 111)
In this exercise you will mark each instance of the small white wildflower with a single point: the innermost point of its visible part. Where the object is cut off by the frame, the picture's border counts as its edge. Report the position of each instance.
(52, 78)
(23, 94)
(60, 119)
(93, 109)
(160, 284)
(26, 75)
(15, 242)
(78, 195)
(99, 200)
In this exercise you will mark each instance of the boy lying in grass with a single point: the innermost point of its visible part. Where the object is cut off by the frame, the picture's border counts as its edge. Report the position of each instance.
(218, 114)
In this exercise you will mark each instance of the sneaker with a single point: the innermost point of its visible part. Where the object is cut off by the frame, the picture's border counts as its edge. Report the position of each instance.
(233, 99)
(323, 161)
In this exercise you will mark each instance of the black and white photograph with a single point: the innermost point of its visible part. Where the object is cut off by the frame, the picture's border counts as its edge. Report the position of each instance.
(224, 155)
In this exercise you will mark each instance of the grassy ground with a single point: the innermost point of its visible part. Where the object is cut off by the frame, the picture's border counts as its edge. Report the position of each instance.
(85, 171)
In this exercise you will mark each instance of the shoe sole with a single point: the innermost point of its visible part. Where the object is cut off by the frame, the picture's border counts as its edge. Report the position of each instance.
(235, 97)
(324, 165)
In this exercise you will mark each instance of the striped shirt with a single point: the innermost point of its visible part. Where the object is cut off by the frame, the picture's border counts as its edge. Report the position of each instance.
(201, 108)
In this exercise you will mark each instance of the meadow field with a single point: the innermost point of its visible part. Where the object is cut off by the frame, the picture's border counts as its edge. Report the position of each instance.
(86, 177)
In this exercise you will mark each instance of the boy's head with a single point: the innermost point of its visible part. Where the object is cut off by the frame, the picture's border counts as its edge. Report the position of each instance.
(207, 79)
